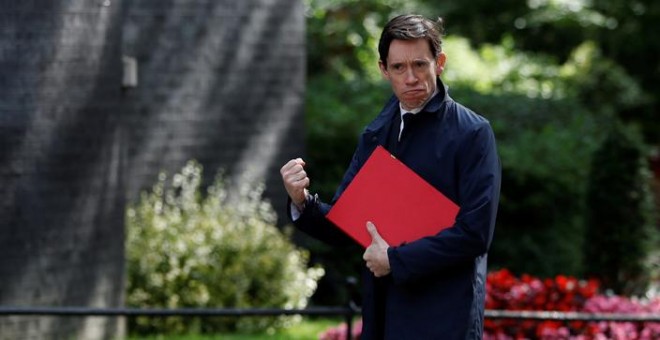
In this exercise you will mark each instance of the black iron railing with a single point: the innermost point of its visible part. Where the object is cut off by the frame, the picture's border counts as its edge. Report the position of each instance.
(570, 316)
(348, 313)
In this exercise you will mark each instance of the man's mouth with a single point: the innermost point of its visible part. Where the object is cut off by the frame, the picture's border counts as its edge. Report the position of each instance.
(414, 91)
(414, 94)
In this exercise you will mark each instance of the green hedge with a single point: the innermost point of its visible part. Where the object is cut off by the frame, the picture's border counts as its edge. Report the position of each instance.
(545, 147)
(219, 248)
(620, 215)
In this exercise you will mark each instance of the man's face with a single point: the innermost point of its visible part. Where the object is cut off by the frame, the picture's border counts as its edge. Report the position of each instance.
(412, 70)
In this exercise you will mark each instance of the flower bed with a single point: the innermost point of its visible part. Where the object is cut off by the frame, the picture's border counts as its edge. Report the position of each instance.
(504, 291)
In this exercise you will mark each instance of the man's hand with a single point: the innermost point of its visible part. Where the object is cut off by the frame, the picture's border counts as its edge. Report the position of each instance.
(376, 254)
(295, 181)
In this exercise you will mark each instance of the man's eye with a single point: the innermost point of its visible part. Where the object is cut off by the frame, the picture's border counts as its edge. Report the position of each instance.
(420, 64)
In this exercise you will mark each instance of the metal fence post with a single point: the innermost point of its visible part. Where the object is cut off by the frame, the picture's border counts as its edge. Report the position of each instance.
(351, 307)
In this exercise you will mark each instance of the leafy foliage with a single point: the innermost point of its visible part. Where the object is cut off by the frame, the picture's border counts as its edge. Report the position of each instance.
(620, 213)
(216, 249)
(544, 166)
(549, 75)
(622, 31)
(336, 126)
(342, 35)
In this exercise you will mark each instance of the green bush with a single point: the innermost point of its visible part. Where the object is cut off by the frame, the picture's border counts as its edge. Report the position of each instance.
(545, 147)
(620, 214)
(548, 120)
(335, 125)
(216, 249)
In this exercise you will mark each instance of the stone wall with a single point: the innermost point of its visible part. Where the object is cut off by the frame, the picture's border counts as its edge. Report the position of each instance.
(218, 81)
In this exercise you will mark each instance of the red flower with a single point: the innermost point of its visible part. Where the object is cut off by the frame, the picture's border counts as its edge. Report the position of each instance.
(563, 293)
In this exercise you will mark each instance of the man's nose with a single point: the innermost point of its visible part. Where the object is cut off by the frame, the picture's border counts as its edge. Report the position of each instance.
(410, 76)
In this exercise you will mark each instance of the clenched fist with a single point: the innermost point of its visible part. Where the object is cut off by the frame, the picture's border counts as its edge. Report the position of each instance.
(295, 181)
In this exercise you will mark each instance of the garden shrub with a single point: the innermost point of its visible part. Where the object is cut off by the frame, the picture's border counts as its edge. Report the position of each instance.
(221, 248)
(620, 213)
(545, 147)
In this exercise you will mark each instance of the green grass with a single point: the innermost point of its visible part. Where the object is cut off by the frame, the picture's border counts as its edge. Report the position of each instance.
(308, 329)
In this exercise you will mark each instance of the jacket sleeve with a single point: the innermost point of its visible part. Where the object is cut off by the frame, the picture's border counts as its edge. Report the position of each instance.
(479, 173)
(312, 220)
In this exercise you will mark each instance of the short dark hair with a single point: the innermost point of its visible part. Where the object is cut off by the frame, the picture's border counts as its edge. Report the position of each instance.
(411, 27)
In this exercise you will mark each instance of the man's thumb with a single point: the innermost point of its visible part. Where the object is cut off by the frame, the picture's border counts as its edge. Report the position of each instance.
(371, 228)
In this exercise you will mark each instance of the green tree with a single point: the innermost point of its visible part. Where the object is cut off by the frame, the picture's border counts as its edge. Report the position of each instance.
(619, 228)
(623, 31)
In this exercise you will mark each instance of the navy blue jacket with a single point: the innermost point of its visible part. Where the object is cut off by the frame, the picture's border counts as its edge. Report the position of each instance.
(436, 289)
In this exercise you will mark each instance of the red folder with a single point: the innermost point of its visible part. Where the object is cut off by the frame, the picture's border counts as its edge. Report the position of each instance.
(402, 205)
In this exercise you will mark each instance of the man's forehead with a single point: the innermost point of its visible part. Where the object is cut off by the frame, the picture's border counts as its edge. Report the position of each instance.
(402, 50)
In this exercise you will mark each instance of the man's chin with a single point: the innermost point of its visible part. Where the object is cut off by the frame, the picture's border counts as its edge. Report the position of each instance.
(411, 105)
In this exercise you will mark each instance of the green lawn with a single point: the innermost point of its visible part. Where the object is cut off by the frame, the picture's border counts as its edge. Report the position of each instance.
(309, 329)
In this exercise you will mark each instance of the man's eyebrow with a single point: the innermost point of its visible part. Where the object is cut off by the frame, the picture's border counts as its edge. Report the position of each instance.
(409, 60)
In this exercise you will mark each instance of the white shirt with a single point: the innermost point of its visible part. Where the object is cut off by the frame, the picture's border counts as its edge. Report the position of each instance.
(414, 111)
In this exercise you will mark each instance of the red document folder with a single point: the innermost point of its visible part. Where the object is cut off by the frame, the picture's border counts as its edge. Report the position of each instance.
(402, 205)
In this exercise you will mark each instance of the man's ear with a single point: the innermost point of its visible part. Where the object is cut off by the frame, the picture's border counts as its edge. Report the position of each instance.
(383, 70)
(440, 63)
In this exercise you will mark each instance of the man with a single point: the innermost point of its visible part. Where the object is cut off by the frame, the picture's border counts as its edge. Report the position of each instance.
(432, 288)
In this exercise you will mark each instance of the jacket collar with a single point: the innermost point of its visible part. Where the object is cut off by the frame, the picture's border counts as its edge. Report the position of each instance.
(378, 128)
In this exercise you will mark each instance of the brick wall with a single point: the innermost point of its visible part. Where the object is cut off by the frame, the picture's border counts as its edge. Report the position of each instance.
(219, 81)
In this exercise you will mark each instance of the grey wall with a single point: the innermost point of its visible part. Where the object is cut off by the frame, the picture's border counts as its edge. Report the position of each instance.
(219, 81)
